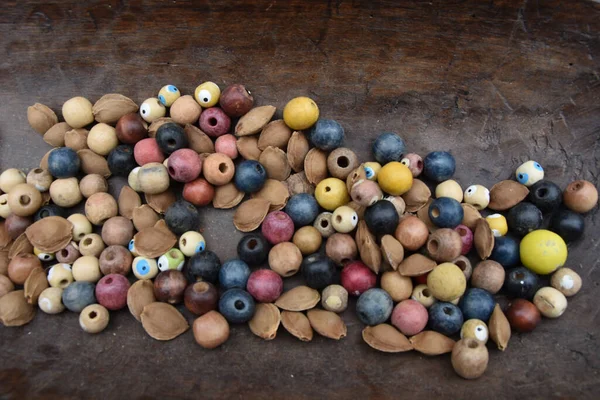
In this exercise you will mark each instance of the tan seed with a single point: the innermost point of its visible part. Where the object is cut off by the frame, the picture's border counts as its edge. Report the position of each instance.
(265, 321)
(300, 298)
(386, 338)
(162, 321)
(297, 324)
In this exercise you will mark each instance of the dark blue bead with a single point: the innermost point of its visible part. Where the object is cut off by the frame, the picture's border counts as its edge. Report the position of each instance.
(121, 161)
(477, 304)
(568, 224)
(388, 147)
(237, 306)
(49, 210)
(302, 209)
(182, 217)
(234, 274)
(446, 212)
(327, 134)
(203, 267)
(506, 251)
(521, 282)
(171, 137)
(439, 166)
(63, 162)
(374, 306)
(250, 176)
(445, 318)
(79, 295)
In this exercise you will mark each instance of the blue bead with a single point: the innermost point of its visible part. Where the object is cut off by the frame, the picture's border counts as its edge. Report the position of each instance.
(63, 162)
(302, 209)
(439, 166)
(523, 178)
(142, 267)
(237, 306)
(234, 274)
(445, 318)
(477, 304)
(79, 295)
(388, 147)
(327, 134)
(250, 176)
(506, 251)
(374, 306)
(369, 172)
(162, 99)
(446, 212)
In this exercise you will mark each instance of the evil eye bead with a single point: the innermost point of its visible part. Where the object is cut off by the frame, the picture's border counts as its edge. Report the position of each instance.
(152, 109)
(168, 94)
(144, 268)
(131, 248)
(529, 173)
(192, 242)
(207, 94)
(371, 170)
(498, 224)
(172, 259)
(42, 255)
(475, 329)
(478, 196)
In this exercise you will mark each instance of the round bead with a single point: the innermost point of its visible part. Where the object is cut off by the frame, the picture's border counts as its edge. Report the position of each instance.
(545, 195)
(169, 286)
(277, 227)
(192, 242)
(285, 259)
(102, 138)
(410, 317)
(446, 212)
(395, 178)
(121, 160)
(449, 188)
(168, 94)
(422, 294)
(211, 330)
(214, 122)
(207, 94)
(341, 248)
(86, 268)
(11, 178)
(478, 196)
(477, 304)
(144, 268)
(366, 193)
(147, 151)
(331, 193)
(372, 170)
(301, 113)
(218, 169)
(334, 298)
(357, 278)
(308, 239)
(152, 109)
(466, 235)
(388, 147)
(199, 192)
(77, 112)
(411, 232)
(524, 218)
(203, 267)
(265, 285)
(40, 178)
(488, 275)
(506, 251)
(414, 162)
(327, 134)
(523, 315)
(445, 318)
(580, 196)
(184, 165)
(131, 128)
(250, 176)
(185, 110)
(78, 295)
(446, 282)
(69, 254)
(153, 178)
(543, 251)
(201, 297)
(498, 224)
(171, 137)
(43, 256)
(81, 226)
(181, 217)
(60, 276)
(374, 307)
(50, 301)
(567, 281)
(234, 274)
(550, 301)
(235, 100)
(63, 162)
(323, 224)
(381, 218)
(111, 291)
(172, 259)
(529, 173)
(94, 318)
(253, 249)
(302, 208)
(341, 162)
(439, 166)
(568, 225)
(237, 306)
(227, 144)
(520, 282)
(344, 219)
(475, 329)
(318, 271)
(24, 200)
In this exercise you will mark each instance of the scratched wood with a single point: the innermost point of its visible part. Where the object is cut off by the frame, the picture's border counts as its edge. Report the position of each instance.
(495, 82)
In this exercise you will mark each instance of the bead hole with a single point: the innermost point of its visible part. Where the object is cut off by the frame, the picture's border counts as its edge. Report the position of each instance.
(426, 292)
(252, 244)
(324, 223)
(44, 213)
(343, 162)
(433, 246)
(87, 242)
(93, 315)
(173, 254)
(327, 189)
(212, 121)
(3, 201)
(239, 305)
(64, 252)
(447, 311)
(38, 171)
(461, 232)
(109, 281)
(520, 275)
(542, 192)
(63, 283)
(183, 242)
(435, 212)
(171, 142)
(110, 256)
(577, 186)
(200, 287)
(258, 168)
(338, 218)
(290, 272)
(24, 200)
(461, 264)
(472, 344)
(223, 167)
(171, 171)
(419, 164)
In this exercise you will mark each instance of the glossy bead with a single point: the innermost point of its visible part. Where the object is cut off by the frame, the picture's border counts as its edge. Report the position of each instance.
(199, 192)
(234, 274)
(265, 285)
(78, 295)
(381, 218)
(86, 268)
(324, 224)
(192, 242)
(237, 306)
(302, 208)
(449, 188)
(529, 173)
(550, 301)
(171, 137)
(81, 226)
(153, 178)
(102, 138)
(94, 318)
(422, 294)
(131, 128)
(545, 195)
(69, 254)
(520, 282)
(235, 100)
(21, 265)
(477, 304)
(277, 227)
(446, 282)
(308, 239)
(344, 219)
(168, 94)
(253, 249)
(318, 271)
(475, 329)
(218, 169)
(398, 287)
(567, 281)
(374, 307)
(414, 162)
(172, 259)
(439, 166)
(111, 291)
(326, 134)
(334, 298)
(580, 196)
(147, 151)
(152, 109)
(366, 193)
(50, 301)
(523, 315)
(227, 144)
(410, 317)
(211, 330)
(331, 193)
(372, 170)
(524, 218)
(184, 165)
(488, 275)
(445, 318)
(169, 286)
(395, 178)
(543, 251)
(341, 162)
(207, 94)
(388, 147)
(49, 210)
(568, 225)
(301, 113)
(250, 176)
(412, 233)
(63, 162)
(214, 122)
(446, 212)
(203, 267)
(40, 178)
(181, 217)
(201, 297)
(144, 268)
(357, 278)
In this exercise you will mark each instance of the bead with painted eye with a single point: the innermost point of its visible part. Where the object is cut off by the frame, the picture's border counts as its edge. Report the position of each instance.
(131, 248)
(207, 94)
(478, 196)
(414, 162)
(144, 268)
(192, 242)
(42, 255)
(475, 329)
(529, 173)
(168, 94)
(498, 224)
(152, 109)
(172, 259)
(344, 219)
(372, 170)
(60, 276)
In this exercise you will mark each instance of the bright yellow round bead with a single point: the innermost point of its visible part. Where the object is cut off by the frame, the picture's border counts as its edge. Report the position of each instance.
(168, 94)
(331, 193)
(497, 224)
(372, 169)
(207, 94)
(395, 178)
(543, 251)
(300, 113)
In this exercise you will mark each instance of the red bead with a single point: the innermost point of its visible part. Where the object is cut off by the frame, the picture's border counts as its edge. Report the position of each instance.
(199, 192)
(277, 227)
(227, 144)
(265, 285)
(214, 122)
(466, 235)
(184, 165)
(147, 151)
(111, 291)
(410, 317)
(357, 278)
(523, 315)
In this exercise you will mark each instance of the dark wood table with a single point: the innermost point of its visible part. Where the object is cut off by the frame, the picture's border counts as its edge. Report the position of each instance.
(495, 82)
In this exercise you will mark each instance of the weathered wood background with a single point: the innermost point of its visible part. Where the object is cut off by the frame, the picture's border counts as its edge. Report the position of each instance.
(494, 82)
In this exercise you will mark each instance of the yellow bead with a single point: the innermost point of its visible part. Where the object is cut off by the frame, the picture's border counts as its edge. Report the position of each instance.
(344, 219)
(475, 329)
(529, 173)
(543, 251)
(331, 193)
(300, 113)
(395, 178)
(372, 170)
(42, 255)
(60, 275)
(497, 224)
(152, 109)
(449, 188)
(446, 282)
(168, 94)
(207, 94)
(478, 196)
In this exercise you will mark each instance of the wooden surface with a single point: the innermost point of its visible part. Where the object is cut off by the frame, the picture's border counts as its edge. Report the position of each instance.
(495, 82)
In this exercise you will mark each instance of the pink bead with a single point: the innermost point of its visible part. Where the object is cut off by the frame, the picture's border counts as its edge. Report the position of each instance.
(227, 144)
(415, 164)
(184, 165)
(265, 285)
(111, 291)
(147, 151)
(466, 235)
(277, 227)
(410, 317)
(214, 122)
(357, 278)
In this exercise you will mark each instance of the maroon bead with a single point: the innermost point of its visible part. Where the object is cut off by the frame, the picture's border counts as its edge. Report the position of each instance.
(201, 297)
(227, 144)
(466, 236)
(184, 165)
(523, 315)
(357, 278)
(235, 100)
(111, 291)
(199, 192)
(147, 151)
(277, 227)
(131, 128)
(214, 122)
(265, 285)
(169, 286)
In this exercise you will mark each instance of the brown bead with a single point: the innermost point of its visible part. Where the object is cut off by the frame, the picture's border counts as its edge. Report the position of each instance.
(199, 192)
(341, 162)
(366, 193)
(211, 330)
(115, 260)
(91, 184)
(412, 233)
(444, 245)
(308, 239)
(465, 266)
(131, 128)
(523, 315)
(235, 100)
(488, 275)
(341, 248)
(21, 266)
(169, 286)
(580, 196)
(24, 200)
(285, 259)
(99, 207)
(218, 169)
(16, 225)
(201, 297)
(117, 231)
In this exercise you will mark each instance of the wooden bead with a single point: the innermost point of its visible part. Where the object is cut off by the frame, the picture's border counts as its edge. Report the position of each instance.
(580, 196)
(412, 233)
(218, 169)
(444, 245)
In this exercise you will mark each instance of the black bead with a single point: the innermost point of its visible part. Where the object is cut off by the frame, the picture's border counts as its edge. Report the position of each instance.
(568, 225)
(524, 218)
(545, 195)
(49, 210)
(121, 161)
(318, 271)
(253, 249)
(203, 266)
(171, 137)
(382, 218)
(182, 217)
(521, 282)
